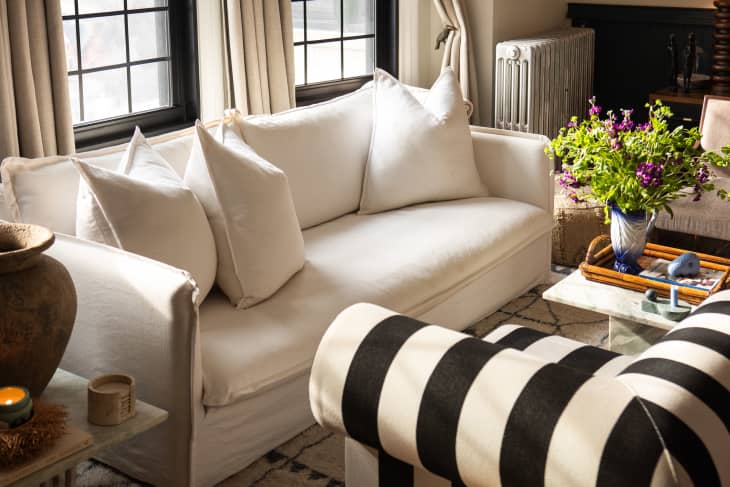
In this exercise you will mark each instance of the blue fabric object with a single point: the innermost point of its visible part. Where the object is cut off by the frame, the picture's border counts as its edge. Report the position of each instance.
(685, 265)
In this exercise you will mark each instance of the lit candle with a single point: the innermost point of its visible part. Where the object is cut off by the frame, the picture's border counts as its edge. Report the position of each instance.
(674, 296)
(16, 406)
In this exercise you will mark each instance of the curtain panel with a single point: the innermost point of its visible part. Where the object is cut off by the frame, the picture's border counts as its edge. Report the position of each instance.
(35, 111)
(260, 55)
(457, 45)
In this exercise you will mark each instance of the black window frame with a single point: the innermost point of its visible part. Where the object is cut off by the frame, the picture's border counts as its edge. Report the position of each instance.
(185, 95)
(386, 55)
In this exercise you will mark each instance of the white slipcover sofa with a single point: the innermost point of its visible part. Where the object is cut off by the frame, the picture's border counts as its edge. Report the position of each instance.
(235, 381)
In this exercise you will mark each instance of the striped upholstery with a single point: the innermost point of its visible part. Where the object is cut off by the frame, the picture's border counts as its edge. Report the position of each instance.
(560, 350)
(486, 414)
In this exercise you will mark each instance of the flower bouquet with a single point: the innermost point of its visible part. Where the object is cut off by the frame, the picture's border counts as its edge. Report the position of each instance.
(636, 170)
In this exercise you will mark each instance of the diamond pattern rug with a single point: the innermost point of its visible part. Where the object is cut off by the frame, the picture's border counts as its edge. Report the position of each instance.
(316, 457)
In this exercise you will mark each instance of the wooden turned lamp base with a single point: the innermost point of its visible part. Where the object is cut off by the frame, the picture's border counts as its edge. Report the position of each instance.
(721, 57)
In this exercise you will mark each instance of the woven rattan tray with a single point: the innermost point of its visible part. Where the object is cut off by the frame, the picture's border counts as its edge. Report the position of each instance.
(598, 267)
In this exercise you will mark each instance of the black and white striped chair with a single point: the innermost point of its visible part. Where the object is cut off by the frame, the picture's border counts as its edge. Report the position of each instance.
(422, 405)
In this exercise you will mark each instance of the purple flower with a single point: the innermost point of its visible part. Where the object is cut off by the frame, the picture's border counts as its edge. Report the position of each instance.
(649, 174)
(567, 180)
(616, 145)
(610, 127)
(703, 174)
(595, 110)
(626, 125)
(644, 126)
(572, 124)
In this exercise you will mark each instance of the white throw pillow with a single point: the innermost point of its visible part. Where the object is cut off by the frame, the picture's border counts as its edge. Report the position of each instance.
(420, 152)
(251, 211)
(146, 209)
(321, 148)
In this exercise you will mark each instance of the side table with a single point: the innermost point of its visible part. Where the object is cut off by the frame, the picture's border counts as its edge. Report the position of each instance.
(70, 390)
(630, 330)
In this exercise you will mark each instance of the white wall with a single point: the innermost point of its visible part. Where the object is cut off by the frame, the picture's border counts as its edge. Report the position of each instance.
(491, 21)
(494, 21)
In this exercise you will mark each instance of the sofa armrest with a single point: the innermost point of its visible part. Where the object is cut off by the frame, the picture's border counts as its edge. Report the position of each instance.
(480, 414)
(513, 165)
(139, 317)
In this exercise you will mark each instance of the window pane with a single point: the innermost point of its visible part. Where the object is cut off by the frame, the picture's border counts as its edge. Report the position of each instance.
(102, 41)
(132, 4)
(150, 86)
(297, 13)
(105, 94)
(95, 6)
(299, 65)
(69, 43)
(323, 62)
(73, 91)
(148, 35)
(68, 7)
(323, 19)
(359, 57)
(359, 17)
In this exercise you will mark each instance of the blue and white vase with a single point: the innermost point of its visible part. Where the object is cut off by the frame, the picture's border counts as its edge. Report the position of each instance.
(629, 233)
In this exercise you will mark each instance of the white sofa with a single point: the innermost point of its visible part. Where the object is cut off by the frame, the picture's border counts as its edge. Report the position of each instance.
(235, 381)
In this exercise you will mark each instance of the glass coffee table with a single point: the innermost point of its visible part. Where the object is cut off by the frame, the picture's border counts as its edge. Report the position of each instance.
(630, 330)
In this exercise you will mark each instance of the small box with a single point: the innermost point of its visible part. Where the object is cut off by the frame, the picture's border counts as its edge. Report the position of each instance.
(112, 399)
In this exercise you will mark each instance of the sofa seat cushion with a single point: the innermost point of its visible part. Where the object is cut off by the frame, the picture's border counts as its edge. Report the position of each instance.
(709, 217)
(408, 260)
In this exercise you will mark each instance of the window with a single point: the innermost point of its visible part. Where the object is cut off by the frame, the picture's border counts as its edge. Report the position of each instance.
(338, 43)
(124, 69)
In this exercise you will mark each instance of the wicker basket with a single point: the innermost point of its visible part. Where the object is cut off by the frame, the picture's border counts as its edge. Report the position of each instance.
(576, 224)
(600, 257)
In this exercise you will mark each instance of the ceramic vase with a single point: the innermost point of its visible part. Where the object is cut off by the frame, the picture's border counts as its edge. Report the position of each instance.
(629, 234)
(37, 307)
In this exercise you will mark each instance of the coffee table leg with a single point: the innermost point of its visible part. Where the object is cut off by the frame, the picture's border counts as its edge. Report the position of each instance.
(629, 338)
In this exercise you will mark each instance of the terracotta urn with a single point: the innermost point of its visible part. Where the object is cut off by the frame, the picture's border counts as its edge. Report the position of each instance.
(37, 307)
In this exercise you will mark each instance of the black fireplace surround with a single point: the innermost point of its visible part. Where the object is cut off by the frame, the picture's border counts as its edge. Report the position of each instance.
(631, 45)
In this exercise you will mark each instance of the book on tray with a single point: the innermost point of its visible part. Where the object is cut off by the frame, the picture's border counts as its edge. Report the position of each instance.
(656, 270)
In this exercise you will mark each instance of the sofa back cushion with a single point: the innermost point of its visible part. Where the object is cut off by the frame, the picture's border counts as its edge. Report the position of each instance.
(44, 190)
(323, 150)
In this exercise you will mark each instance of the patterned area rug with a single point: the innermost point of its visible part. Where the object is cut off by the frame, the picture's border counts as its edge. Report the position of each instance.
(316, 457)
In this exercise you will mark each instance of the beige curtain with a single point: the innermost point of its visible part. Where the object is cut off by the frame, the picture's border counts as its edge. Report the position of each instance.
(35, 112)
(457, 45)
(260, 47)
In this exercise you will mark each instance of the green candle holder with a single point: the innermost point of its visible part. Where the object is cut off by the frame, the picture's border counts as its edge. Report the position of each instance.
(14, 412)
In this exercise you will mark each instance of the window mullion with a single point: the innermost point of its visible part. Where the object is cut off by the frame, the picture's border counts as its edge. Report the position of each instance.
(342, 39)
(306, 46)
(78, 61)
(129, 67)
